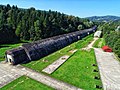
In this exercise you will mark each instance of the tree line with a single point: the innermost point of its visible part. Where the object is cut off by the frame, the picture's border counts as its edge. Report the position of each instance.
(30, 24)
(111, 34)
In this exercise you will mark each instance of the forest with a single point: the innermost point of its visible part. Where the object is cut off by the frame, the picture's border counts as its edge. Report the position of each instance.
(17, 24)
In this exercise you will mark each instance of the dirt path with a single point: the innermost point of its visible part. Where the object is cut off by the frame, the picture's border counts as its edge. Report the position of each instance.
(8, 73)
(109, 69)
(90, 45)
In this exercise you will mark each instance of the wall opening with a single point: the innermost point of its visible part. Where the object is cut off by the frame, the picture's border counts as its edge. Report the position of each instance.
(9, 59)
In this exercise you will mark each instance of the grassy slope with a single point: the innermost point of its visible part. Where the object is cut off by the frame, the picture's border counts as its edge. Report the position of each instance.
(99, 43)
(27, 84)
(6, 47)
(39, 64)
(78, 70)
(74, 71)
(103, 42)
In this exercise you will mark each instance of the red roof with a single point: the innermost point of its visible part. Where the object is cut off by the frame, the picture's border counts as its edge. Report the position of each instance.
(107, 49)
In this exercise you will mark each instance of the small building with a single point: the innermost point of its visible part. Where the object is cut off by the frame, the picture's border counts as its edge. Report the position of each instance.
(107, 49)
(97, 34)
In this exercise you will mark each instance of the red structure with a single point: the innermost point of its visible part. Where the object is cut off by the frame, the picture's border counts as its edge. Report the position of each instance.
(107, 49)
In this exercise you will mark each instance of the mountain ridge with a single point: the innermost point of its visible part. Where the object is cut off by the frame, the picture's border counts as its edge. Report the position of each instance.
(106, 18)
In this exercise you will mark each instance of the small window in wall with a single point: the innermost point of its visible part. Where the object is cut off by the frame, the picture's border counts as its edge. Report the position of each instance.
(10, 61)
(9, 58)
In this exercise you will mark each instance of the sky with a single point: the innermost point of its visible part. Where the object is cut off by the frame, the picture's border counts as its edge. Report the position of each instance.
(80, 8)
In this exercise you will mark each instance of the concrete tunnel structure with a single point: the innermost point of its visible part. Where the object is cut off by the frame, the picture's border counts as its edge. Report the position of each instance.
(38, 49)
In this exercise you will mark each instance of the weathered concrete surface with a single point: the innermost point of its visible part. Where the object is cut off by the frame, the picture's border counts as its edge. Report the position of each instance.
(73, 51)
(109, 69)
(6, 75)
(12, 71)
(52, 67)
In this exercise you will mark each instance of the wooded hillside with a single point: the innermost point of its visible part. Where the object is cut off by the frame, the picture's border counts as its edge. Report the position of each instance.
(111, 33)
(31, 24)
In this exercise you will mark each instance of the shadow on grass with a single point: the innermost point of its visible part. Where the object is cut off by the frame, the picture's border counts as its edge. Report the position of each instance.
(15, 42)
(3, 46)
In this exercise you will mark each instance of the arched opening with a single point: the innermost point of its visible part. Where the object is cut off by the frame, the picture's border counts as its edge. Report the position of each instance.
(9, 59)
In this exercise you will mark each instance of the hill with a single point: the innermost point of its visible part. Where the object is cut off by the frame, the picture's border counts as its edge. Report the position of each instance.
(31, 24)
(104, 18)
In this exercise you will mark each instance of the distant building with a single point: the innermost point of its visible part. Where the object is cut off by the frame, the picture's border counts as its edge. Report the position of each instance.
(97, 34)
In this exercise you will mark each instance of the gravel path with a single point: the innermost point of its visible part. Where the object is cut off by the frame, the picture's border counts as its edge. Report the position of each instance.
(109, 69)
(89, 46)
(13, 72)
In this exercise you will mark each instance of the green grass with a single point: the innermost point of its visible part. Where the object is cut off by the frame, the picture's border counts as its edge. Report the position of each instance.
(84, 42)
(78, 70)
(39, 65)
(116, 56)
(103, 42)
(99, 43)
(26, 83)
(96, 44)
(6, 47)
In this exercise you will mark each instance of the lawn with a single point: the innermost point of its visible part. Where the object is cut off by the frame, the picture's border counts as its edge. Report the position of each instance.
(78, 71)
(25, 83)
(99, 43)
(6, 47)
(40, 64)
